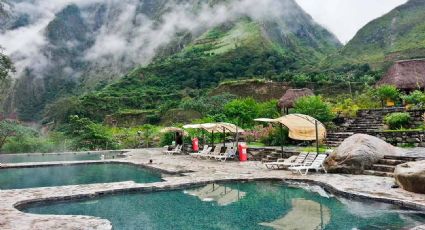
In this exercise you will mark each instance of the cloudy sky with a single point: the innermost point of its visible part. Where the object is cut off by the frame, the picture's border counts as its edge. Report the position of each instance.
(345, 17)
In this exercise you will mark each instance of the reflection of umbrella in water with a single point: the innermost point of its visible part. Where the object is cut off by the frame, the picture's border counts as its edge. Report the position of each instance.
(223, 195)
(305, 214)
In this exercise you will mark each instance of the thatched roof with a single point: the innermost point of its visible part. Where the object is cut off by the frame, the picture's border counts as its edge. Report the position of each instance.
(406, 75)
(288, 100)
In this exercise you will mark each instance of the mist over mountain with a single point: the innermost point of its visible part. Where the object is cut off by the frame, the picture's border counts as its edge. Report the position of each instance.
(69, 47)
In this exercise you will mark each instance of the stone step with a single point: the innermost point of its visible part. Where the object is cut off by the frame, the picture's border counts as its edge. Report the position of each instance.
(383, 168)
(366, 125)
(334, 142)
(401, 158)
(378, 173)
(340, 134)
(391, 162)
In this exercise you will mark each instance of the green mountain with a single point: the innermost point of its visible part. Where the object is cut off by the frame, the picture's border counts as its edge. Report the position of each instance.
(259, 41)
(400, 34)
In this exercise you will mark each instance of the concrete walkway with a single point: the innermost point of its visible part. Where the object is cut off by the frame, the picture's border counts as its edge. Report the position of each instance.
(183, 172)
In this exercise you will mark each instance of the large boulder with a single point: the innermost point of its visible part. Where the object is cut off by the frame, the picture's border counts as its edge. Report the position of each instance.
(411, 176)
(357, 153)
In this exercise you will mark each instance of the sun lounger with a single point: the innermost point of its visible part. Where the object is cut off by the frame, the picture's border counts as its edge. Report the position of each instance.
(281, 163)
(167, 149)
(317, 164)
(199, 152)
(287, 163)
(177, 150)
(217, 151)
(204, 152)
(230, 153)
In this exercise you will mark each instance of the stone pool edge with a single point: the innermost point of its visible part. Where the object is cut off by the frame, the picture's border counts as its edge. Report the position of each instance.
(163, 186)
(192, 177)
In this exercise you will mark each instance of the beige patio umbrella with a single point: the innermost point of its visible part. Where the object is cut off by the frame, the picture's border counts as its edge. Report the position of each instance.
(301, 127)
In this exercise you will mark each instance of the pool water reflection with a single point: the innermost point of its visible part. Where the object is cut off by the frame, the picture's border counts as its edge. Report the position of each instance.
(260, 205)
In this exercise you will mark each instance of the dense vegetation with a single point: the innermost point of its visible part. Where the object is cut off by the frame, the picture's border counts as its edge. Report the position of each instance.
(184, 72)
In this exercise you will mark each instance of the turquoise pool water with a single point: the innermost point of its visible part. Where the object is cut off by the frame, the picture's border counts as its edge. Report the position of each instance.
(236, 206)
(17, 178)
(22, 158)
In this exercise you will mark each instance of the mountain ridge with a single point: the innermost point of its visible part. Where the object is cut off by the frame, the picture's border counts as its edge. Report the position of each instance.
(77, 62)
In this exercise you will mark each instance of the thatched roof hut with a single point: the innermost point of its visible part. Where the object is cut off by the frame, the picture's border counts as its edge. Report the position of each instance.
(288, 100)
(406, 75)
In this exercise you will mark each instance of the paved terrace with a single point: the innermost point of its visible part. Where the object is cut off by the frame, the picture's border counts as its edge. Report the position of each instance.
(183, 172)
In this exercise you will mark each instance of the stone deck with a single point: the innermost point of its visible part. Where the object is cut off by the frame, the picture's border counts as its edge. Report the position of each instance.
(182, 172)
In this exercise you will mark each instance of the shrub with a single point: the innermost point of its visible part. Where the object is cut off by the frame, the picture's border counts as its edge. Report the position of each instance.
(346, 108)
(416, 98)
(397, 120)
(314, 106)
(388, 92)
(89, 135)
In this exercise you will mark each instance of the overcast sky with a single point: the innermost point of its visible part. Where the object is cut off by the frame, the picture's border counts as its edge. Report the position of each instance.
(345, 17)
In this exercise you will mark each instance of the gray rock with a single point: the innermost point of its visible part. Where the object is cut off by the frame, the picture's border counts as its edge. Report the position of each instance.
(359, 152)
(411, 176)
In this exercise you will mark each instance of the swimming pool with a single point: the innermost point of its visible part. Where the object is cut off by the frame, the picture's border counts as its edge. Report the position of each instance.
(22, 158)
(256, 205)
(18, 178)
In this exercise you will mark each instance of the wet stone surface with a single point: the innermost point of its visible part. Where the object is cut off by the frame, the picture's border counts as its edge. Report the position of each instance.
(182, 172)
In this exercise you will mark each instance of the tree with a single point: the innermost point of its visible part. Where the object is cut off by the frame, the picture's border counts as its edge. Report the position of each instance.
(6, 66)
(10, 129)
(314, 106)
(242, 111)
(387, 92)
(89, 135)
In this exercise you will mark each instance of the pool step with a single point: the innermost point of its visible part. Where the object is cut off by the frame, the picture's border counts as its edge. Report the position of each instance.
(378, 173)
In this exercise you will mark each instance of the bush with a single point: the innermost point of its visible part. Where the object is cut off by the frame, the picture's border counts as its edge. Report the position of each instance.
(388, 92)
(397, 120)
(417, 98)
(89, 135)
(314, 106)
(346, 108)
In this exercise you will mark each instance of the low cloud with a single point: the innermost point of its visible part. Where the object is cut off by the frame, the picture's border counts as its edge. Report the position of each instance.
(130, 38)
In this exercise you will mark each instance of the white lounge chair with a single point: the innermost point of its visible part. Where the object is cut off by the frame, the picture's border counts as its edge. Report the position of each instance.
(204, 152)
(177, 150)
(218, 152)
(287, 163)
(230, 153)
(281, 163)
(316, 165)
(199, 152)
(210, 155)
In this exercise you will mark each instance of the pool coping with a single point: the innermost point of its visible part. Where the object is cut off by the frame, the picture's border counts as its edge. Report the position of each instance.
(172, 183)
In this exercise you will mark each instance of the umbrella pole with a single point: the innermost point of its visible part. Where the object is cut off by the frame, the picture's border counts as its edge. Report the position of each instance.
(224, 137)
(281, 139)
(237, 138)
(317, 136)
(212, 139)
